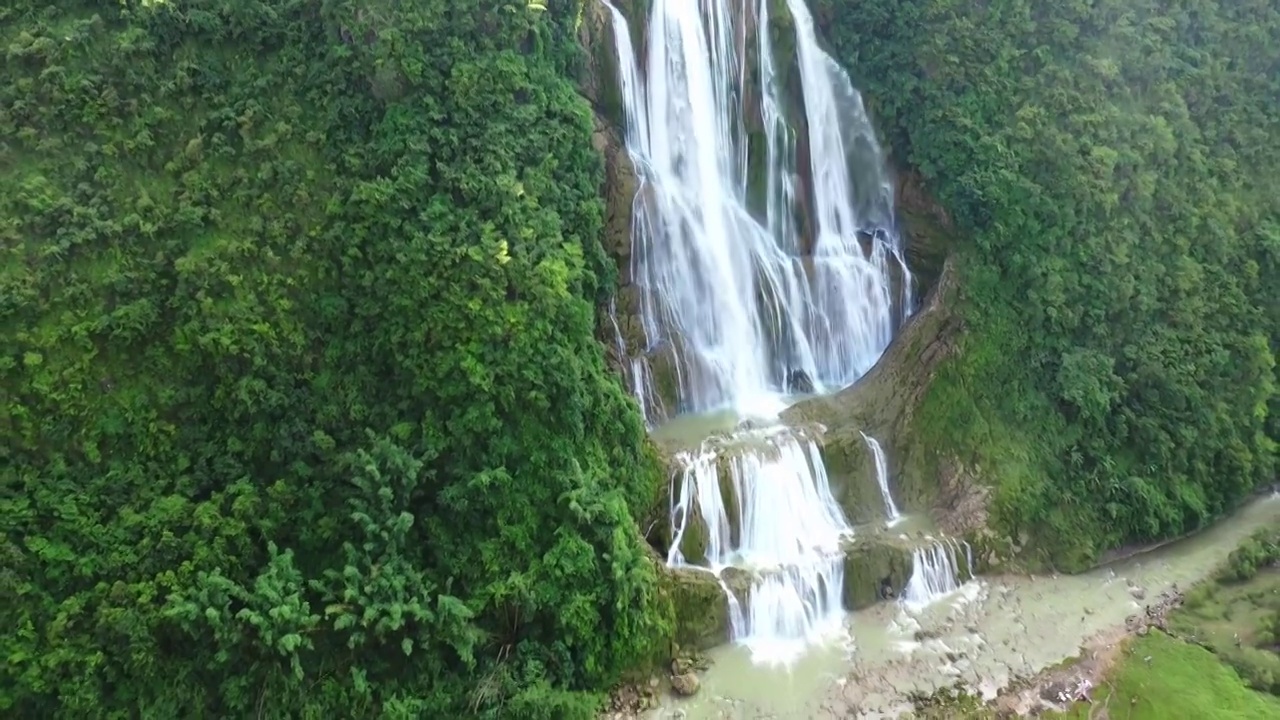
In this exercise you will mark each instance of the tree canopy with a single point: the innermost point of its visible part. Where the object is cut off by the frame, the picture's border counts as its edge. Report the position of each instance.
(302, 414)
(1116, 166)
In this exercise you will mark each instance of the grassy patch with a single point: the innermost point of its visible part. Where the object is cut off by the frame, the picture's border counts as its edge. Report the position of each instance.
(1165, 678)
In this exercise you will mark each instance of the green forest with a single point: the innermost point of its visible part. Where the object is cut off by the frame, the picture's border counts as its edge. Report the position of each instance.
(303, 416)
(302, 410)
(1115, 168)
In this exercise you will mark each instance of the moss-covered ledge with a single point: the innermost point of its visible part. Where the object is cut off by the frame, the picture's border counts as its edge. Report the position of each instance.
(884, 402)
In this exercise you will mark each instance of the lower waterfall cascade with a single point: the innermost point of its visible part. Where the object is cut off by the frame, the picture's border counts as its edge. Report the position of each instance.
(769, 265)
(892, 516)
(936, 571)
(763, 503)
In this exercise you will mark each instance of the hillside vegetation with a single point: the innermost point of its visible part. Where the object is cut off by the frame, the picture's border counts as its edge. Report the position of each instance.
(1237, 615)
(1116, 165)
(300, 411)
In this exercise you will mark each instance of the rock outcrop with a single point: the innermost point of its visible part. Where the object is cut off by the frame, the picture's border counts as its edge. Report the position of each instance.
(701, 607)
(883, 404)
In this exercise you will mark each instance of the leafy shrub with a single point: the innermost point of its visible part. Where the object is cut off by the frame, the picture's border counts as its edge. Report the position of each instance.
(1258, 551)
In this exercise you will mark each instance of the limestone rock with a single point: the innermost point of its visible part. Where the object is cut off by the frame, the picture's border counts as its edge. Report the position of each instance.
(685, 684)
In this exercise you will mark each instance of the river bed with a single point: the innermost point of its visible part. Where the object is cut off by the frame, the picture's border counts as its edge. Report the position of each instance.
(991, 632)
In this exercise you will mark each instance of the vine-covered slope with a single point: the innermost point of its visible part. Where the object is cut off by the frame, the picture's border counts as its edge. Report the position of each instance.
(1116, 164)
(302, 414)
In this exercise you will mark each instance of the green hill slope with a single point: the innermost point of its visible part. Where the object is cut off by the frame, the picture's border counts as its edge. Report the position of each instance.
(1117, 165)
(302, 414)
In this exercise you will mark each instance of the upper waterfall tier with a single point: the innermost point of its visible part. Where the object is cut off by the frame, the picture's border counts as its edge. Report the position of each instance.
(764, 242)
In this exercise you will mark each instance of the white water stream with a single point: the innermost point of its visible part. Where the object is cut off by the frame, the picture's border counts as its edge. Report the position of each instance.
(759, 278)
(892, 516)
(936, 571)
(749, 299)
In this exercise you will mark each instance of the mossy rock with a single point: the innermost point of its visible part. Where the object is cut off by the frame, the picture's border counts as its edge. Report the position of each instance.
(870, 562)
(883, 402)
(701, 607)
(694, 539)
(852, 470)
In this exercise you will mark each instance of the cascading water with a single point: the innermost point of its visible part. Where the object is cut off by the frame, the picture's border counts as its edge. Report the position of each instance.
(763, 503)
(882, 478)
(936, 572)
(765, 268)
(744, 305)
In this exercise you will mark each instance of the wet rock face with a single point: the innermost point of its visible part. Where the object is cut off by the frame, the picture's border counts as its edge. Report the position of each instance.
(929, 228)
(875, 569)
(619, 191)
(852, 470)
(884, 404)
(798, 381)
(618, 326)
(598, 78)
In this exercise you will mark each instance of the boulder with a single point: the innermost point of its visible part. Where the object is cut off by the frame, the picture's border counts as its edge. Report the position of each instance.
(685, 684)
(701, 607)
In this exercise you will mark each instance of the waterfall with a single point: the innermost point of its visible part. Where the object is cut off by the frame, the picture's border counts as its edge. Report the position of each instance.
(936, 572)
(763, 249)
(882, 478)
(743, 303)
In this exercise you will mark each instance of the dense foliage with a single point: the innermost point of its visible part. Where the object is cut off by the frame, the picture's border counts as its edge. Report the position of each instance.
(1117, 165)
(1260, 550)
(301, 411)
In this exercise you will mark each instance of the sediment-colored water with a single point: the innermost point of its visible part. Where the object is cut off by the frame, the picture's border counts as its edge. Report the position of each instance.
(990, 633)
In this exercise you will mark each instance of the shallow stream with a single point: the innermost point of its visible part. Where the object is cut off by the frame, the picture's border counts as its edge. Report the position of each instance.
(993, 631)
